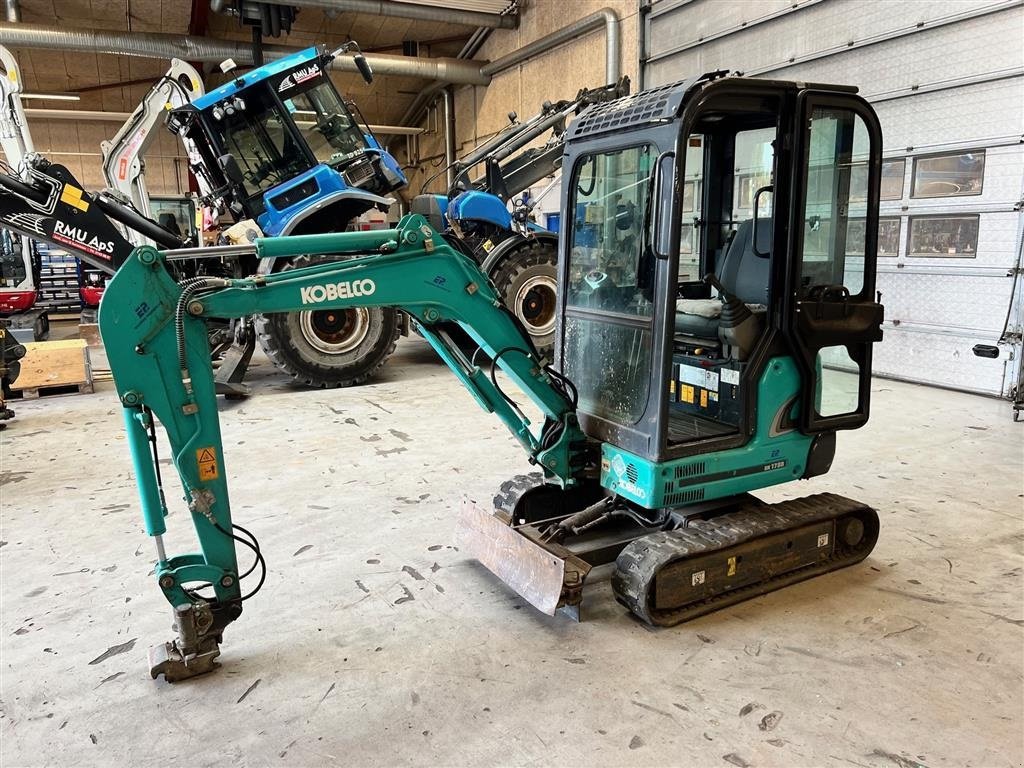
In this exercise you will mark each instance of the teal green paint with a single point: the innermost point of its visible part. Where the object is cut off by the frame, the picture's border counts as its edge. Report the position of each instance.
(354, 242)
(138, 334)
(136, 428)
(187, 569)
(410, 267)
(776, 459)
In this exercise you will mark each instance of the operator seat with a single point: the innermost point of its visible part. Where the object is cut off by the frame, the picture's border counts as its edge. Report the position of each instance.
(742, 272)
(169, 222)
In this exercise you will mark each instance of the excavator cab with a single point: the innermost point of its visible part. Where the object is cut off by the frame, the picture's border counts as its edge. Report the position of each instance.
(716, 318)
(718, 230)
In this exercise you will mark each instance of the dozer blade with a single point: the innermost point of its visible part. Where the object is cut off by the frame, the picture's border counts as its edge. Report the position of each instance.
(546, 575)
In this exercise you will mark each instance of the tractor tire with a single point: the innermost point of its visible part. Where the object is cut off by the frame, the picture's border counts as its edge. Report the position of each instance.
(328, 348)
(527, 282)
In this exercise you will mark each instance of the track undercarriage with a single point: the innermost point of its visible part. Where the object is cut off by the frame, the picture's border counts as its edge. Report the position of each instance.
(669, 567)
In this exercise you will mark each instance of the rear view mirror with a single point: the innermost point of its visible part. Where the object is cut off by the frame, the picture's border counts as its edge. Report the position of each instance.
(364, 67)
(229, 165)
(360, 61)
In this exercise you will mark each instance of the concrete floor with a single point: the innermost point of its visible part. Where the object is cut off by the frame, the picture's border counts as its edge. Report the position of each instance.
(376, 642)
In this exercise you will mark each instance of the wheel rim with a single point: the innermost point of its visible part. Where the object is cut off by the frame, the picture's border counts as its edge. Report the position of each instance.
(535, 304)
(335, 331)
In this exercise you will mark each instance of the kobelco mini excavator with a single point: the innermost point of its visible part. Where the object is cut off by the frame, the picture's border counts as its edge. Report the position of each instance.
(716, 320)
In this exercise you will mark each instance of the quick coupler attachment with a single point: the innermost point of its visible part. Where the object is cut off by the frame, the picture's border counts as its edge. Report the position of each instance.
(194, 652)
(199, 627)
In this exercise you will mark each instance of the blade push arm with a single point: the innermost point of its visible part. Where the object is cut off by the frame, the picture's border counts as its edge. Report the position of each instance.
(155, 337)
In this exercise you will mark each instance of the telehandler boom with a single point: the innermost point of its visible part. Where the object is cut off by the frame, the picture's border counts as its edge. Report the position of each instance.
(672, 399)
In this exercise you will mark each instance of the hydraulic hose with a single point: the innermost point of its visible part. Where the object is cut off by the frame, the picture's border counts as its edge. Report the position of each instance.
(189, 288)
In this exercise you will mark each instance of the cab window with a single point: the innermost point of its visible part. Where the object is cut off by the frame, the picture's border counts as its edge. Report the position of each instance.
(606, 349)
(608, 266)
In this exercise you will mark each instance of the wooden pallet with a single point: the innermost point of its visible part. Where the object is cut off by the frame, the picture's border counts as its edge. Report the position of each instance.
(58, 389)
(49, 366)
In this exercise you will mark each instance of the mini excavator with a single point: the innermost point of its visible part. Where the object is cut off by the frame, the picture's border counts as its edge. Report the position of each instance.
(716, 316)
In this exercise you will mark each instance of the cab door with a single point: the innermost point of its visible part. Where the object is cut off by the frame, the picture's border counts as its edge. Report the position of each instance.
(832, 318)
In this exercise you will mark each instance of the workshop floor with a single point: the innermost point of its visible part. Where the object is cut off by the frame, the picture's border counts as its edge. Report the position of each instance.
(375, 642)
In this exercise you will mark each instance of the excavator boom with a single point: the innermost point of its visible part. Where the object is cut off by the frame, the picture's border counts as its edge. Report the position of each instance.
(155, 335)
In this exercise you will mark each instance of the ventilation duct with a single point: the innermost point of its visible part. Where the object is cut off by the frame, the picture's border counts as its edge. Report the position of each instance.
(189, 48)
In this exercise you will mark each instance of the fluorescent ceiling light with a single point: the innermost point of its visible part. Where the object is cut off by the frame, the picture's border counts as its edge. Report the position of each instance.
(52, 96)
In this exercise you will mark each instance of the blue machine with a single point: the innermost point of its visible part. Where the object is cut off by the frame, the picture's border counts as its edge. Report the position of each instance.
(475, 205)
(286, 148)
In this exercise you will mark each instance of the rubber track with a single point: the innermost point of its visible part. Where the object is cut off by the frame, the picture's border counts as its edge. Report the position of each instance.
(509, 492)
(639, 563)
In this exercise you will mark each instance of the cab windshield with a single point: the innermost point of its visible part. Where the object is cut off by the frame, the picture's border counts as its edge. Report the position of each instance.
(259, 137)
(175, 214)
(326, 124)
(608, 315)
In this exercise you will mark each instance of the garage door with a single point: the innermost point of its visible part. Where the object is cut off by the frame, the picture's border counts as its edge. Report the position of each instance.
(946, 80)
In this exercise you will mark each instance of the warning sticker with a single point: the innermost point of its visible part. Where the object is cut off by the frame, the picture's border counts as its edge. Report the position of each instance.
(703, 398)
(697, 578)
(686, 393)
(699, 377)
(206, 458)
(729, 376)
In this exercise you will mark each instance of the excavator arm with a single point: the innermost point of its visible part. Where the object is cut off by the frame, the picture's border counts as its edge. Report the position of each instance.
(124, 167)
(155, 336)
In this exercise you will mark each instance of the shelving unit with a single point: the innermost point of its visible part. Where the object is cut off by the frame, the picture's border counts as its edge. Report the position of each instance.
(58, 281)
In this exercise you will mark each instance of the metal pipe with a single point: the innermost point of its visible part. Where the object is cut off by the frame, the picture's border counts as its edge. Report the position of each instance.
(415, 110)
(12, 11)
(605, 17)
(505, 134)
(190, 48)
(21, 189)
(161, 553)
(211, 252)
(398, 9)
(643, 19)
(127, 216)
(413, 113)
(473, 44)
(449, 136)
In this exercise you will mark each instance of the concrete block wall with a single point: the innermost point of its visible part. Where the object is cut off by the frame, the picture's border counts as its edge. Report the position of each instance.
(76, 145)
(481, 111)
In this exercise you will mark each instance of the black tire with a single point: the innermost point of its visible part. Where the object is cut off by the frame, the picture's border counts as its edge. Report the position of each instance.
(526, 281)
(363, 338)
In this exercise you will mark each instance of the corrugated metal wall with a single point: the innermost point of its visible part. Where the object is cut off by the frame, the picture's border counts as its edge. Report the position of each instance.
(947, 80)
